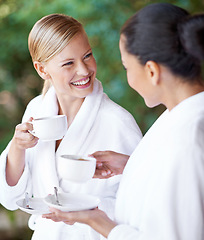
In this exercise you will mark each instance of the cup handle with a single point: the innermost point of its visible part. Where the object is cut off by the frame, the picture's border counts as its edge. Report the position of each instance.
(32, 132)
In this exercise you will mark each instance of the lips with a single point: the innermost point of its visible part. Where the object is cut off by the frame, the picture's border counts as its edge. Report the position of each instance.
(81, 82)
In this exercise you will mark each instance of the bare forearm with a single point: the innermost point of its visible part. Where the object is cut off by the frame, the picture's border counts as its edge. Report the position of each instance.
(96, 219)
(102, 225)
(21, 141)
(15, 164)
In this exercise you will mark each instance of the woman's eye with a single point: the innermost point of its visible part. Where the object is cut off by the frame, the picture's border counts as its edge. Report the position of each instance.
(67, 64)
(88, 55)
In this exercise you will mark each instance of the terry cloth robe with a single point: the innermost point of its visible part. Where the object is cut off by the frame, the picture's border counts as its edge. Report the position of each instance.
(100, 124)
(161, 194)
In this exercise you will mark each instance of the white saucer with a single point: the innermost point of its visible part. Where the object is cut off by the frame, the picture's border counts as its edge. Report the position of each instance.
(72, 201)
(37, 204)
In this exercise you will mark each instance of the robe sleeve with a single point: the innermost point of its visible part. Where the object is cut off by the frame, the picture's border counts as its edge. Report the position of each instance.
(122, 231)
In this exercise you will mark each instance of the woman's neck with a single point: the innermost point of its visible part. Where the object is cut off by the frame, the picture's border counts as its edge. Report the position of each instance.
(183, 91)
(69, 107)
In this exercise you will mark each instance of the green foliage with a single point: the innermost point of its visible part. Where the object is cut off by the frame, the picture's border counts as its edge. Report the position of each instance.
(102, 20)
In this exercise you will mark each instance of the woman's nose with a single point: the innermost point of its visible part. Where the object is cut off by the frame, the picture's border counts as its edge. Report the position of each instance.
(82, 69)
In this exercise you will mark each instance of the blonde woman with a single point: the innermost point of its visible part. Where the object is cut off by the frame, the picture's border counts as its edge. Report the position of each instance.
(62, 56)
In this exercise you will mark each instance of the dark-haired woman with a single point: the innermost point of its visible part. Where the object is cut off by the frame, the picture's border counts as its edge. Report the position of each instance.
(161, 195)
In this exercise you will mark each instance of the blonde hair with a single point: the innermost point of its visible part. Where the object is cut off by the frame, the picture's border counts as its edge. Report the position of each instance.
(49, 36)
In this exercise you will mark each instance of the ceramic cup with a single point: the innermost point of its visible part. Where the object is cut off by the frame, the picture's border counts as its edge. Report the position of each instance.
(76, 168)
(49, 128)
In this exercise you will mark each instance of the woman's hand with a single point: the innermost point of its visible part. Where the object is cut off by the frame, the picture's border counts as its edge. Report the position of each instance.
(95, 218)
(69, 217)
(22, 140)
(109, 163)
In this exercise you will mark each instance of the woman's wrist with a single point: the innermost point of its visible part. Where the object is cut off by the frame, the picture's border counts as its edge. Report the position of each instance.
(101, 223)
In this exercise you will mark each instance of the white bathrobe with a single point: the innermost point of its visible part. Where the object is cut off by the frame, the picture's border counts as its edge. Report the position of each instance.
(100, 124)
(161, 194)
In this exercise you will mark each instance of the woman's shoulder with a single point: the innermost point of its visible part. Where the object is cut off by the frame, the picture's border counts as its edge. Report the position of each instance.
(32, 107)
(35, 101)
(115, 115)
(112, 108)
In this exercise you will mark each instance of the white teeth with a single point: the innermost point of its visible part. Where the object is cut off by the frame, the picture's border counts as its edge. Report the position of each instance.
(80, 83)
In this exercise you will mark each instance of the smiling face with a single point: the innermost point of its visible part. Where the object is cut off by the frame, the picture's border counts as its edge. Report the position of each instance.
(72, 71)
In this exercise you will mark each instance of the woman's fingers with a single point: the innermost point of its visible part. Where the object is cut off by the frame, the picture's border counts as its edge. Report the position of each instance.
(59, 216)
(102, 171)
(69, 217)
(22, 137)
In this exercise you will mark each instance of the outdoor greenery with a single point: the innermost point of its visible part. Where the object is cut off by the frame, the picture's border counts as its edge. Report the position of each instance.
(102, 20)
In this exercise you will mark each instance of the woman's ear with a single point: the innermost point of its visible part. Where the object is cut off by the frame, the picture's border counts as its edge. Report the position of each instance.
(41, 70)
(153, 72)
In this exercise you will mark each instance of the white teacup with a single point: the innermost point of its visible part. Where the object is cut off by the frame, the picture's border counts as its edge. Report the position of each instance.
(76, 168)
(49, 128)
